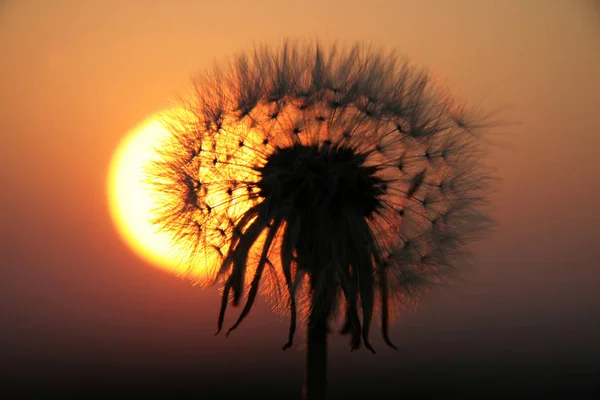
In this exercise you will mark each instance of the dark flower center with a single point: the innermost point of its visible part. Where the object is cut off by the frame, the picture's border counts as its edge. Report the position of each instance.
(327, 179)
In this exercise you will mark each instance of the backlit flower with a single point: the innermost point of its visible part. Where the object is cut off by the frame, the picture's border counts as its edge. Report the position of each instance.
(330, 178)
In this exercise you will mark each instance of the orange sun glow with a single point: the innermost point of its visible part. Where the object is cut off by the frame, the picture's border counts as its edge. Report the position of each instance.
(131, 203)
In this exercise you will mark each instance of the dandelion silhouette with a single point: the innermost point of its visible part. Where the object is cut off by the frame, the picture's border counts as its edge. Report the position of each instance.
(335, 180)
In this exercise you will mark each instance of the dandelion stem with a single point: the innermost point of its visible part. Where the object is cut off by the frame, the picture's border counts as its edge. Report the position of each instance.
(316, 355)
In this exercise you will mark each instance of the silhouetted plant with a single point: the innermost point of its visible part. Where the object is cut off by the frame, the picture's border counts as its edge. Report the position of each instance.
(338, 181)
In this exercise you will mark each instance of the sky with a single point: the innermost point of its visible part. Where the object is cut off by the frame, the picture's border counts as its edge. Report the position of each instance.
(81, 314)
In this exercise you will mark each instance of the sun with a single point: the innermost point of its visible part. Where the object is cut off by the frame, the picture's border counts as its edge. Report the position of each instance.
(131, 204)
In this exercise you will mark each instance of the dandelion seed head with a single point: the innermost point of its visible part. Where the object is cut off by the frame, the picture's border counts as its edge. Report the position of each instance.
(334, 180)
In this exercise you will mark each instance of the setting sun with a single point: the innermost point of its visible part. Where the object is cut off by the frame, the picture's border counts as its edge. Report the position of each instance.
(131, 204)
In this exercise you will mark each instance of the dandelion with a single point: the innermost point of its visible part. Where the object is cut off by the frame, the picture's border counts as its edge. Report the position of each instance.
(337, 181)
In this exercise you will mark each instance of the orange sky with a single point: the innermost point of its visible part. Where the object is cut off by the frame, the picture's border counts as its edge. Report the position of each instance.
(75, 76)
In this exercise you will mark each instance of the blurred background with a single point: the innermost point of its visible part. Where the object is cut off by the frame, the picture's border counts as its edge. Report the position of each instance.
(82, 315)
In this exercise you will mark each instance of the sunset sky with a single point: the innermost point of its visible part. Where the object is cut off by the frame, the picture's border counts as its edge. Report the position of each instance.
(81, 313)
